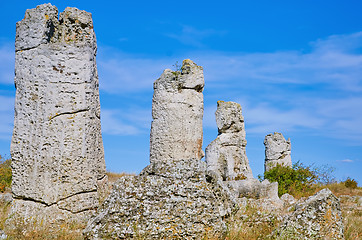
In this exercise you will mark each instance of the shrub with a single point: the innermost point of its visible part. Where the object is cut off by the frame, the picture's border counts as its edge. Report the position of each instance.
(296, 180)
(5, 173)
(350, 183)
(325, 174)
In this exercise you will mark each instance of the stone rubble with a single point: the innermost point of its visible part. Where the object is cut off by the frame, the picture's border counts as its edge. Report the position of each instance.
(171, 197)
(318, 217)
(277, 151)
(57, 150)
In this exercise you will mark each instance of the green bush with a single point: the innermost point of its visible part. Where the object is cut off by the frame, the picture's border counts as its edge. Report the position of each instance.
(350, 183)
(5, 173)
(294, 180)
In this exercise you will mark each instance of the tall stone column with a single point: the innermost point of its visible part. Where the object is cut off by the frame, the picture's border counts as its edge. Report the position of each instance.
(277, 151)
(177, 111)
(57, 149)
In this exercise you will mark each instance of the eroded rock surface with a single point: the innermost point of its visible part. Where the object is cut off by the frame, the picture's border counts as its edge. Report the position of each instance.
(177, 111)
(319, 217)
(277, 151)
(163, 207)
(171, 197)
(226, 155)
(57, 149)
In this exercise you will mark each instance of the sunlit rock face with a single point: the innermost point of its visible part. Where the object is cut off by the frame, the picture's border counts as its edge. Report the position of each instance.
(277, 151)
(318, 217)
(57, 149)
(177, 111)
(171, 198)
(226, 155)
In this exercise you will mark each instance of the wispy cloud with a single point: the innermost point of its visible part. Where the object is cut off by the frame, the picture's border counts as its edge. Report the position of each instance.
(317, 91)
(7, 62)
(346, 160)
(116, 122)
(194, 37)
(7, 117)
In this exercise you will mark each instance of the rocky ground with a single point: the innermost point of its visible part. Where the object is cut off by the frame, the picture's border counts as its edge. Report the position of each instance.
(255, 219)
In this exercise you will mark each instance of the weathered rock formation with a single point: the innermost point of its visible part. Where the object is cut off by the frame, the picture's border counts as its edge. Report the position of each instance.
(57, 149)
(171, 197)
(319, 217)
(277, 151)
(177, 111)
(226, 155)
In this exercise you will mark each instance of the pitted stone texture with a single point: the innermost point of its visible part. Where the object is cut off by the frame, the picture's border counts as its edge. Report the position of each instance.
(319, 217)
(177, 111)
(226, 155)
(277, 151)
(252, 188)
(156, 207)
(57, 149)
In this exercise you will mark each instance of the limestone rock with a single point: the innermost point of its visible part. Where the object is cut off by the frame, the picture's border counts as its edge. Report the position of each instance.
(287, 199)
(57, 149)
(319, 217)
(171, 197)
(156, 207)
(252, 188)
(226, 155)
(177, 111)
(277, 151)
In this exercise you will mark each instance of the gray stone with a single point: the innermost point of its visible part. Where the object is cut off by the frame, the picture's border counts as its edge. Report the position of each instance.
(287, 199)
(57, 149)
(252, 188)
(277, 151)
(156, 207)
(226, 155)
(177, 111)
(318, 217)
(6, 198)
(171, 197)
(3, 235)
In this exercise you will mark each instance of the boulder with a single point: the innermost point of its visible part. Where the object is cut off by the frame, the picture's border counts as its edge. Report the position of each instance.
(318, 217)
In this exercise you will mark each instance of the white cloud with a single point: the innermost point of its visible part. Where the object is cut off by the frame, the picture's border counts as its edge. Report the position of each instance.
(7, 63)
(7, 117)
(116, 122)
(192, 36)
(347, 160)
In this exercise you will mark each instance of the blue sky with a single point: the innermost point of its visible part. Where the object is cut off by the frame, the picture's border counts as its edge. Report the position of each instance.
(294, 66)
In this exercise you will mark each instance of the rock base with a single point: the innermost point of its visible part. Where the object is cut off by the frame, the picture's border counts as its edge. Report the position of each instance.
(163, 206)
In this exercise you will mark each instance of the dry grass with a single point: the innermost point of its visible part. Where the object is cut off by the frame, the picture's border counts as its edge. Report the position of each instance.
(352, 224)
(112, 177)
(26, 230)
(251, 223)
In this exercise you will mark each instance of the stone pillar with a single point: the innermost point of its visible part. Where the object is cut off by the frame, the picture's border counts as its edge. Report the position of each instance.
(226, 155)
(57, 149)
(277, 151)
(177, 111)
